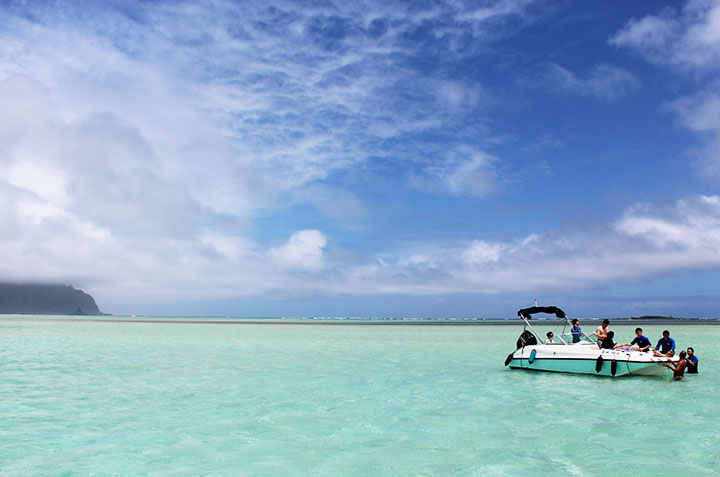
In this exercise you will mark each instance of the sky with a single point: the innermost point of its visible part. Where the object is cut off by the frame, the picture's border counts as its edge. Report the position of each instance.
(438, 158)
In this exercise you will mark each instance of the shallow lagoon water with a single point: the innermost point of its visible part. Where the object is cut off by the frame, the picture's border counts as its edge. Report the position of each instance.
(80, 398)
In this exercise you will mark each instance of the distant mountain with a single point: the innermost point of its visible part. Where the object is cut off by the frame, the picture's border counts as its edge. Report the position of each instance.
(45, 300)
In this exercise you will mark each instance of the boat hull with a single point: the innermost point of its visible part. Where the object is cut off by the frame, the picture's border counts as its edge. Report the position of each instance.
(584, 359)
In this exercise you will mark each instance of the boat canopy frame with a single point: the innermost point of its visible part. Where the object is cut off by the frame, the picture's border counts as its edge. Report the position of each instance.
(526, 315)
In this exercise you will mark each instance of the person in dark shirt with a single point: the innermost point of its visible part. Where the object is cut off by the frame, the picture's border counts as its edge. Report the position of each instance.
(607, 342)
(602, 331)
(679, 370)
(692, 361)
(666, 346)
(576, 331)
(642, 342)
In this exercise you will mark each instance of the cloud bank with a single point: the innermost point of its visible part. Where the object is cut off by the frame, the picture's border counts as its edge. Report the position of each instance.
(147, 151)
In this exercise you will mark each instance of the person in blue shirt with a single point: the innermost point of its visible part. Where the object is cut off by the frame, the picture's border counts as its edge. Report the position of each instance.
(575, 330)
(666, 345)
(642, 342)
(692, 361)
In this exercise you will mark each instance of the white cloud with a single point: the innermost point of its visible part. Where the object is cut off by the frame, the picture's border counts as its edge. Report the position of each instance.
(137, 156)
(603, 81)
(700, 113)
(39, 177)
(235, 249)
(689, 39)
(474, 177)
(646, 242)
(692, 224)
(303, 251)
(139, 146)
(492, 10)
(481, 252)
(464, 173)
(458, 95)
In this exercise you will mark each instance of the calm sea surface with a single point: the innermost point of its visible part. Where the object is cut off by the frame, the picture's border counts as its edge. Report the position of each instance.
(82, 398)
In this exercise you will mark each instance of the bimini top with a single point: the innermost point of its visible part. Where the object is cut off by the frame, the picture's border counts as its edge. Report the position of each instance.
(553, 310)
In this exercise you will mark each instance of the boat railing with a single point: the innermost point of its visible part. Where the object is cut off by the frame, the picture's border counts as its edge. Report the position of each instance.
(564, 336)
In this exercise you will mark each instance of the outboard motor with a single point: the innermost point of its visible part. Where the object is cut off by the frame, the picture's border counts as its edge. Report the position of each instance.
(526, 339)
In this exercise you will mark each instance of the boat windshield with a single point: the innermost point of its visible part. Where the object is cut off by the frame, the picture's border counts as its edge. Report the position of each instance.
(567, 338)
(581, 338)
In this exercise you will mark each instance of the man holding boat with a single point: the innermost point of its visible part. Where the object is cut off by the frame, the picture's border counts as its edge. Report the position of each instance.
(679, 370)
(692, 361)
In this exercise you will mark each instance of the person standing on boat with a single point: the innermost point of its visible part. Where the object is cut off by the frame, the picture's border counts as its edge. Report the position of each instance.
(642, 342)
(575, 330)
(679, 370)
(602, 330)
(692, 361)
(666, 346)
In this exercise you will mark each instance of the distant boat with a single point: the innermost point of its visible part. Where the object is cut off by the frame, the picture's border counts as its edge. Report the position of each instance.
(584, 357)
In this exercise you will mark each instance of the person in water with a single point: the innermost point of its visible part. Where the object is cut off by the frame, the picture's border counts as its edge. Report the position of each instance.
(679, 370)
(607, 342)
(692, 361)
(602, 331)
(575, 330)
(642, 342)
(549, 339)
(665, 346)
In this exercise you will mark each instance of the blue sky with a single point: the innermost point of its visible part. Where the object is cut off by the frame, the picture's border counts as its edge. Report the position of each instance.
(439, 158)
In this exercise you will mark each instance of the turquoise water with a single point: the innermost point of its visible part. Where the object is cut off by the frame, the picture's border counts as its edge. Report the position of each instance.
(189, 399)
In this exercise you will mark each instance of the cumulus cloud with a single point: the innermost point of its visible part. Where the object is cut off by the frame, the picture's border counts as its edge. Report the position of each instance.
(692, 224)
(687, 39)
(303, 251)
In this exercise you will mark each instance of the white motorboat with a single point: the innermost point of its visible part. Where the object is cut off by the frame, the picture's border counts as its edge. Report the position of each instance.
(568, 353)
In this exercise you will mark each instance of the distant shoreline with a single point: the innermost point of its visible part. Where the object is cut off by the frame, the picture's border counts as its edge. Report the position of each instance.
(350, 321)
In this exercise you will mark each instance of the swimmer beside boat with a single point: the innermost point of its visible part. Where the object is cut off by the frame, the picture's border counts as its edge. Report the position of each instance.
(679, 369)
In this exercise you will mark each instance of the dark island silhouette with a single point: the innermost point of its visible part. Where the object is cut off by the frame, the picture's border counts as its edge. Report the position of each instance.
(46, 299)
